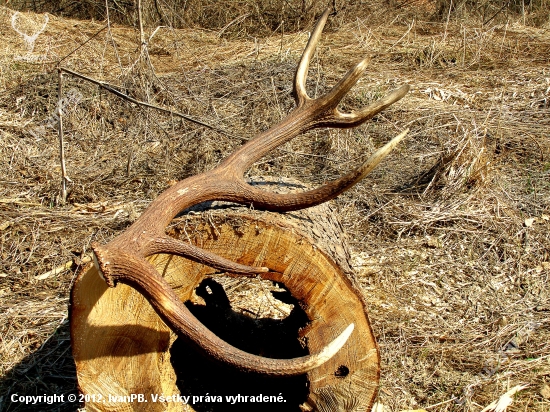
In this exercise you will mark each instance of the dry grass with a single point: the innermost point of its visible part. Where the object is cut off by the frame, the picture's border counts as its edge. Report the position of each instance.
(451, 233)
(243, 18)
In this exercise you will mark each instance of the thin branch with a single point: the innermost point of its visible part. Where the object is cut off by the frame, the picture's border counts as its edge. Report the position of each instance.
(144, 47)
(118, 93)
(60, 134)
(110, 34)
(142, 41)
(497, 13)
(81, 45)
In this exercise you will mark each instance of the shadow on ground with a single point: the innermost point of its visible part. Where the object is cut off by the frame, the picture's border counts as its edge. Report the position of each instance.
(51, 370)
(48, 371)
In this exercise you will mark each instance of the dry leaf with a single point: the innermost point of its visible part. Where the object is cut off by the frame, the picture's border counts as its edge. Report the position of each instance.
(504, 401)
(56, 271)
(545, 391)
(434, 242)
(378, 407)
(529, 221)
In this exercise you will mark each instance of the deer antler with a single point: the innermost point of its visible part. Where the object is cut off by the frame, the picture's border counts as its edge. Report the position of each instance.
(124, 258)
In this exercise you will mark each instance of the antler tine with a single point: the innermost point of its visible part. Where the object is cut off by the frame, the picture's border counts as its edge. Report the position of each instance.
(303, 67)
(143, 277)
(310, 113)
(345, 84)
(355, 118)
(167, 244)
(262, 199)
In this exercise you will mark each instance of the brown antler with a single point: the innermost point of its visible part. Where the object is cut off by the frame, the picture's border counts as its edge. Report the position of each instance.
(124, 258)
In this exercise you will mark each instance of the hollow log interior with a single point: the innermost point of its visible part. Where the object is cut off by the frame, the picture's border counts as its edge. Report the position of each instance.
(121, 346)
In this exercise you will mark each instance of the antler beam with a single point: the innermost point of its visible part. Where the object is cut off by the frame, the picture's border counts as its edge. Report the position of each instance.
(124, 258)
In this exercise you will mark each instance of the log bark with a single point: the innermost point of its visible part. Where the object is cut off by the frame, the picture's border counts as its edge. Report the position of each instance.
(121, 346)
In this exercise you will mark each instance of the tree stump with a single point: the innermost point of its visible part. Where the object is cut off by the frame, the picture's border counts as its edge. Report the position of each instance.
(122, 347)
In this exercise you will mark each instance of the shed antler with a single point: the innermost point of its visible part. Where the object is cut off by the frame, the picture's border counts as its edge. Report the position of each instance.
(124, 258)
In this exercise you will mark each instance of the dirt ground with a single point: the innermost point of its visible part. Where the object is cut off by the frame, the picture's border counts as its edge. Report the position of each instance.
(450, 235)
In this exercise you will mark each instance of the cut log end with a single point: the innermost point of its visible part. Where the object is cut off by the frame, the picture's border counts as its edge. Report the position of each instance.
(121, 346)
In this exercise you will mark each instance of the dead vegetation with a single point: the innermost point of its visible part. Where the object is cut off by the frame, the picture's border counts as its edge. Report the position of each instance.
(231, 18)
(450, 234)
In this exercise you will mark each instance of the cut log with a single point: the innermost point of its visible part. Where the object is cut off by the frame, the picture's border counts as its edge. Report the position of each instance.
(123, 348)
